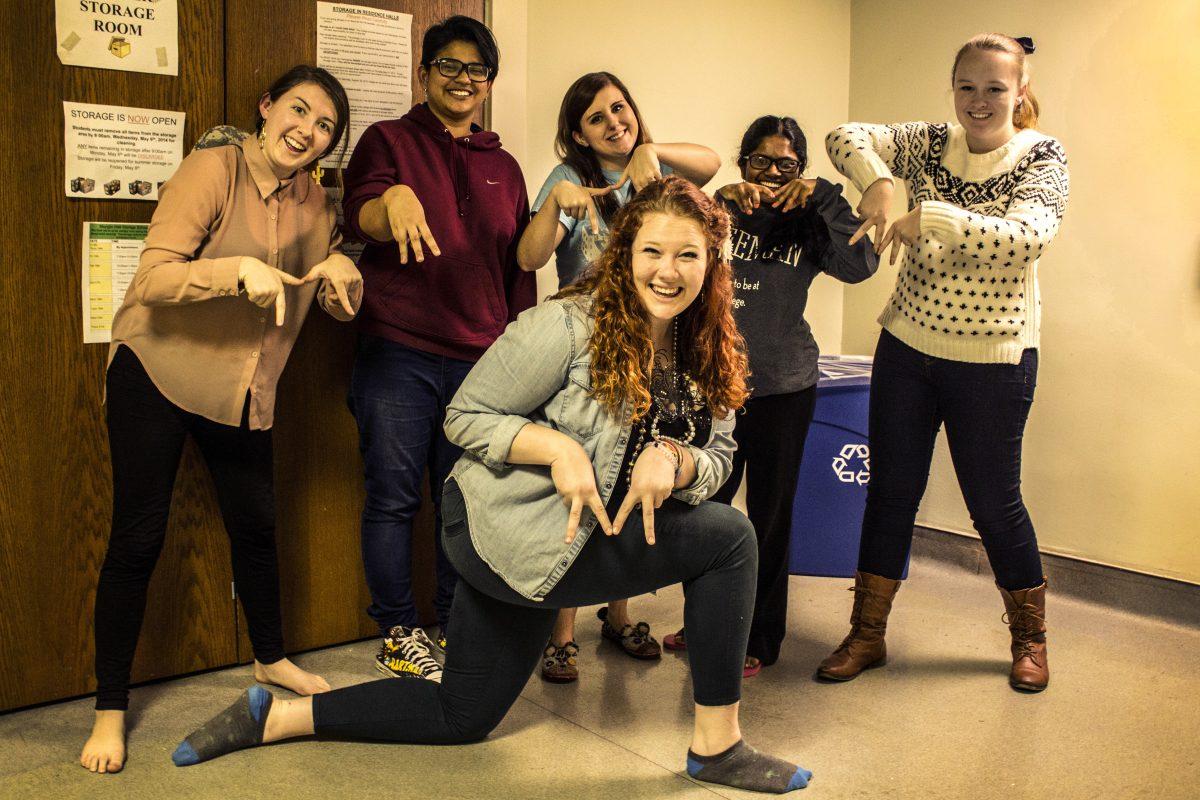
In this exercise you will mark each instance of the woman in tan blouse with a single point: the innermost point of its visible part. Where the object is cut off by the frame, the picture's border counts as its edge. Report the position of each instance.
(242, 241)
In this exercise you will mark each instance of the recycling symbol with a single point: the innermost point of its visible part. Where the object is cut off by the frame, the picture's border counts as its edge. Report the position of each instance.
(853, 464)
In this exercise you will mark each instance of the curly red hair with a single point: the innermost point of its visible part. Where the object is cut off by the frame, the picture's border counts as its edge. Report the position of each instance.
(714, 353)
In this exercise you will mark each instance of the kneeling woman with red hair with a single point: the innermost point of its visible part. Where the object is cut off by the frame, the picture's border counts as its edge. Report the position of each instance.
(617, 394)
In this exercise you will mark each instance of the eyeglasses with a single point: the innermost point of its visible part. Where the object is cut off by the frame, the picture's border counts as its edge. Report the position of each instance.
(452, 68)
(784, 165)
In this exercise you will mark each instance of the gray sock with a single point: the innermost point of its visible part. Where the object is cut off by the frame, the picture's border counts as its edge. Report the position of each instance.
(743, 767)
(237, 727)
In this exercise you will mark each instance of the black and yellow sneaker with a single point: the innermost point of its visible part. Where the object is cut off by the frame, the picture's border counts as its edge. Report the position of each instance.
(405, 653)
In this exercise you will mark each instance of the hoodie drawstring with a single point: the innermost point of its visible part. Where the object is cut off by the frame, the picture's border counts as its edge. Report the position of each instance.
(462, 188)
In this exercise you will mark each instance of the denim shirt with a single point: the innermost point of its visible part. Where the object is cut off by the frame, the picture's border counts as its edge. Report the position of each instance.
(537, 372)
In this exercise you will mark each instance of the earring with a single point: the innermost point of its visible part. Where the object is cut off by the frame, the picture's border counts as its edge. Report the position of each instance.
(262, 139)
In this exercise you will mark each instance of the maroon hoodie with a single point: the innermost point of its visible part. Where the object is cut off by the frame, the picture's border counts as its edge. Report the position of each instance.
(476, 206)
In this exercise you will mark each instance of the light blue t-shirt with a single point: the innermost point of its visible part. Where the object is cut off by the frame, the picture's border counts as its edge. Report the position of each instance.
(580, 247)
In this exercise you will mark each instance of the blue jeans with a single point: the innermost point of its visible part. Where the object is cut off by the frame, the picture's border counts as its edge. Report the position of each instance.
(398, 397)
(984, 407)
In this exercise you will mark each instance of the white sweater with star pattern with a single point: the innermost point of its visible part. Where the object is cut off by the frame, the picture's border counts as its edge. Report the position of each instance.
(968, 290)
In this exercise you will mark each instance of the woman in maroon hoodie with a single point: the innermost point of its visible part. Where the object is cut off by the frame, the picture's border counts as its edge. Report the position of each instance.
(441, 207)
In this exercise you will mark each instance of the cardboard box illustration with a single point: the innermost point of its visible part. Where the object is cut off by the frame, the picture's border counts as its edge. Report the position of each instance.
(82, 185)
(140, 187)
(118, 46)
(113, 186)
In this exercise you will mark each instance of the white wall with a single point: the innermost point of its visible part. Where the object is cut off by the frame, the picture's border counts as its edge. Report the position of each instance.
(1111, 451)
(1111, 458)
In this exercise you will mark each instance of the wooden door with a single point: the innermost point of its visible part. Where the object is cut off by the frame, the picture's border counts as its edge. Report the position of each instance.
(55, 479)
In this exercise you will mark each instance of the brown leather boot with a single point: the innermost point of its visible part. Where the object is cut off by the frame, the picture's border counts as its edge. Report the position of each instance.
(863, 647)
(1025, 613)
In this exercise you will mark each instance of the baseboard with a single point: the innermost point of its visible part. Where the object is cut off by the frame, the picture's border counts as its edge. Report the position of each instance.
(1173, 601)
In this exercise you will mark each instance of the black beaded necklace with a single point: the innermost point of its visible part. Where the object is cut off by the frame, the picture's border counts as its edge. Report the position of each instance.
(674, 398)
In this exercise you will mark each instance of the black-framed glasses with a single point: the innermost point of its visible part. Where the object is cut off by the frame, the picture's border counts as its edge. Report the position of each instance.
(452, 68)
(784, 165)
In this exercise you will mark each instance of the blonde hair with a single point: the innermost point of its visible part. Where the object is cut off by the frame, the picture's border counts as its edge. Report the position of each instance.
(1025, 115)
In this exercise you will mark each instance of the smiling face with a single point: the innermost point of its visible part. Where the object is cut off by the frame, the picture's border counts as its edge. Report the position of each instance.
(454, 100)
(609, 127)
(669, 262)
(297, 127)
(773, 147)
(987, 87)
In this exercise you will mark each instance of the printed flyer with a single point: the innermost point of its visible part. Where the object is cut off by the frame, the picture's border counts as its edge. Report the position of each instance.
(120, 153)
(110, 259)
(370, 51)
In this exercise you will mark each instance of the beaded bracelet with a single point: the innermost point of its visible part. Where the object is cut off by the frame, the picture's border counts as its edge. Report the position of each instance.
(672, 452)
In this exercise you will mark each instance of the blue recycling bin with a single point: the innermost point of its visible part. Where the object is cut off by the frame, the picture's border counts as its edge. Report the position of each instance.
(831, 494)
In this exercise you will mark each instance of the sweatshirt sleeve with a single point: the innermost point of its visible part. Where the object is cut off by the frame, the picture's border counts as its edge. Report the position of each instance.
(523, 369)
(1031, 221)
(836, 256)
(371, 172)
(865, 153)
(188, 205)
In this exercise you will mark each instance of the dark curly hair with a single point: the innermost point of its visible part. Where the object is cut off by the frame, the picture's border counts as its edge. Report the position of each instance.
(714, 353)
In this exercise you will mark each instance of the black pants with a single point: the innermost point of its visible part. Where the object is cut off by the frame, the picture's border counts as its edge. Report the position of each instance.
(770, 436)
(146, 433)
(498, 636)
(984, 407)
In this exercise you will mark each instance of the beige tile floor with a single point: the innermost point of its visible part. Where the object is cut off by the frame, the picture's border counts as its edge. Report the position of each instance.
(1120, 720)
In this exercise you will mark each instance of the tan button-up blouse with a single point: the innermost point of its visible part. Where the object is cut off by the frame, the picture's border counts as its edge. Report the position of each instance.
(204, 345)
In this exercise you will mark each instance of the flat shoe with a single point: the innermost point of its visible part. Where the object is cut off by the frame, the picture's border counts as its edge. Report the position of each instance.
(675, 641)
(558, 663)
(634, 640)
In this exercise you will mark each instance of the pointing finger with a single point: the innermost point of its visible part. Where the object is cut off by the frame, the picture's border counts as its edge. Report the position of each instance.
(648, 521)
(573, 519)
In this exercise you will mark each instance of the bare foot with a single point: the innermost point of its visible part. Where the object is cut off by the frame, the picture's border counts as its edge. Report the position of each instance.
(618, 614)
(286, 674)
(104, 751)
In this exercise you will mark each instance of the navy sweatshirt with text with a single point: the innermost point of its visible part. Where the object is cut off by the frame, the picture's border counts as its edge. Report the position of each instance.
(775, 257)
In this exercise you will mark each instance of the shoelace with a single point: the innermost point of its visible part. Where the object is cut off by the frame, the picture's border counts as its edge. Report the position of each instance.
(1025, 625)
(417, 650)
(856, 626)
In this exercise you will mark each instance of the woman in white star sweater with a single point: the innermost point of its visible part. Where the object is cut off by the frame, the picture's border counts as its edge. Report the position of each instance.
(960, 334)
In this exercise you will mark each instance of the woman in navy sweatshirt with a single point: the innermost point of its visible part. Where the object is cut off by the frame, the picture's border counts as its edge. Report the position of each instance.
(441, 206)
(786, 231)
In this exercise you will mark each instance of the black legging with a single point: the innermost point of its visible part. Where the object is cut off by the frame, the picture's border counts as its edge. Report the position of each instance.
(146, 433)
(770, 436)
(498, 636)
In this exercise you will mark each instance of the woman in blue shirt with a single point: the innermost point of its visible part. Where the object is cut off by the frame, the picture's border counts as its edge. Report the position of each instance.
(607, 155)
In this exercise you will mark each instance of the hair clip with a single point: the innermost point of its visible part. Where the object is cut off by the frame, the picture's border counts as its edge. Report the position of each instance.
(1026, 43)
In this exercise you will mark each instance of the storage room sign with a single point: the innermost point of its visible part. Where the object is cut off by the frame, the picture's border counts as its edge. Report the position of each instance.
(131, 35)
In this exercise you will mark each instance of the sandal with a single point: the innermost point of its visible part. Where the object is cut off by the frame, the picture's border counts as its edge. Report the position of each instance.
(751, 667)
(675, 641)
(558, 663)
(635, 640)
